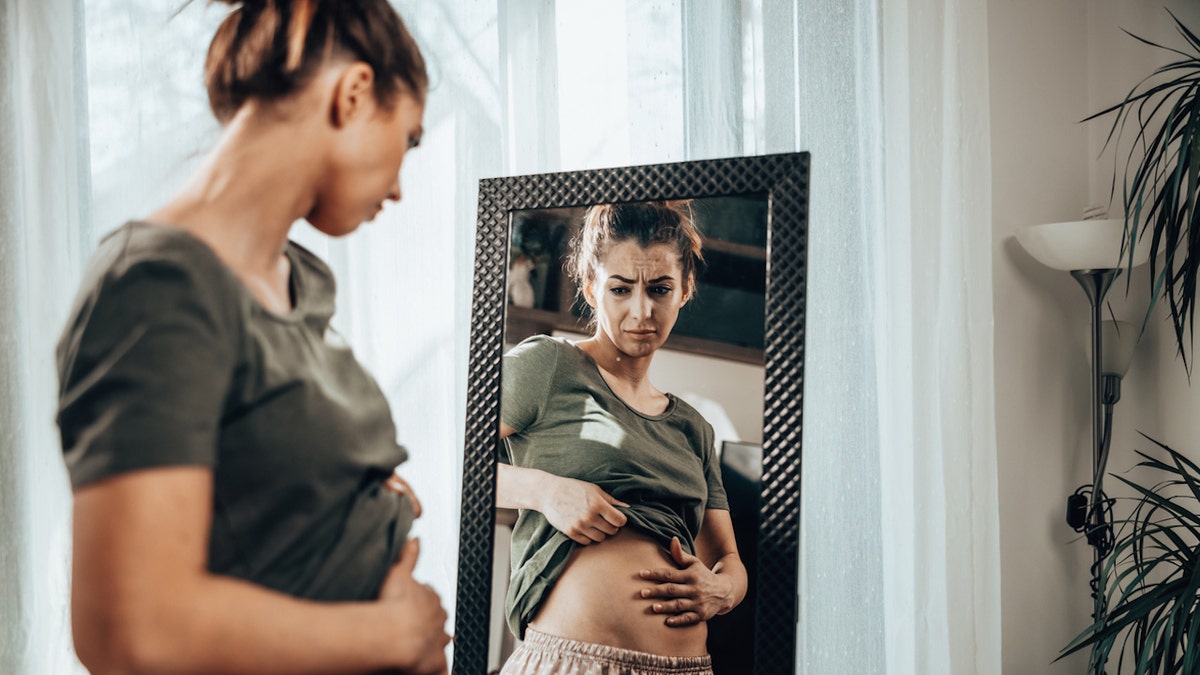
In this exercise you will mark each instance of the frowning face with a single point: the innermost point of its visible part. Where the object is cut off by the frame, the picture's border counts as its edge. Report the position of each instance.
(636, 295)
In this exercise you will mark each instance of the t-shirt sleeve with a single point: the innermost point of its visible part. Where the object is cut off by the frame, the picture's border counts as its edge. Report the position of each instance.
(527, 374)
(145, 367)
(712, 472)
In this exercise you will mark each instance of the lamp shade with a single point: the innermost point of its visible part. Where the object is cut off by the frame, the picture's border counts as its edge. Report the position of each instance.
(1080, 244)
(1117, 339)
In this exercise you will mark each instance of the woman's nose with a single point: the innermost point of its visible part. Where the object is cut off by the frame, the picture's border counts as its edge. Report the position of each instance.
(641, 305)
(394, 192)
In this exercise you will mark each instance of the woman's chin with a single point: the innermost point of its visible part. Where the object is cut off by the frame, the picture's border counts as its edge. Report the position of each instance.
(334, 227)
(636, 349)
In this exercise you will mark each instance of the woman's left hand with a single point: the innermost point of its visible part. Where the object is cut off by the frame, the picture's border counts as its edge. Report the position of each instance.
(401, 487)
(690, 594)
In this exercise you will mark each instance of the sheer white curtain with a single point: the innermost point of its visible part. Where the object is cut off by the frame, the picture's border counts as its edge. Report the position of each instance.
(940, 504)
(43, 206)
(900, 555)
(899, 570)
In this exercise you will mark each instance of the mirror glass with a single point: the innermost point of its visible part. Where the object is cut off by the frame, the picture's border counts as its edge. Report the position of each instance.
(713, 360)
(736, 354)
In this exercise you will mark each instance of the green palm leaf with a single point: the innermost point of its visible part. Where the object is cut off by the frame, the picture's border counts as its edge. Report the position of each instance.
(1160, 180)
(1153, 600)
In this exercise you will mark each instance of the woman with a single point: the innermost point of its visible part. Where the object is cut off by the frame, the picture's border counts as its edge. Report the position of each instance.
(624, 547)
(235, 508)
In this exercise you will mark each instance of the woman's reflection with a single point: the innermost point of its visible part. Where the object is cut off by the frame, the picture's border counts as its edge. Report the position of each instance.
(624, 547)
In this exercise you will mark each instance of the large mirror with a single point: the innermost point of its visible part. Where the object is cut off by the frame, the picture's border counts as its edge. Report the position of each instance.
(735, 355)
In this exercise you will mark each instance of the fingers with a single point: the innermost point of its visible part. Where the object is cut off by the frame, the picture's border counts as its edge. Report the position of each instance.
(581, 539)
(407, 560)
(591, 535)
(680, 611)
(681, 557)
(401, 487)
(613, 517)
(609, 512)
(665, 590)
(604, 528)
(613, 500)
(661, 574)
(676, 606)
(685, 619)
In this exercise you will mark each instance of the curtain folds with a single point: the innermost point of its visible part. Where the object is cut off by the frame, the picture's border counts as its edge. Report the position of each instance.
(900, 563)
(43, 210)
(941, 541)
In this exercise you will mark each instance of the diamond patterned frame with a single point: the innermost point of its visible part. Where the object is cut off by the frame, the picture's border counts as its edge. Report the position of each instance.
(784, 178)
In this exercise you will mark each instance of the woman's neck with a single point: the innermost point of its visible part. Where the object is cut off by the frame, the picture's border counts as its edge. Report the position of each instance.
(630, 372)
(246, 194)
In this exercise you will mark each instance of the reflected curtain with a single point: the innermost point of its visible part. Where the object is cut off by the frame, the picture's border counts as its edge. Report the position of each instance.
(899, 570)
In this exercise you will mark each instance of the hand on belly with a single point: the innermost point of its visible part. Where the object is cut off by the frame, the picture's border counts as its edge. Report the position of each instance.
(599, 598)
(687, 592)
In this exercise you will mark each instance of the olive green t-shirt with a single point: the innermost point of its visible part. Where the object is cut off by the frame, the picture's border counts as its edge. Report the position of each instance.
(570, 423)
(168, 360)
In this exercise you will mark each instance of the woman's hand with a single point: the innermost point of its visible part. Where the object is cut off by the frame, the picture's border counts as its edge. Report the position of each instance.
(578, 509)
(418, 617)
(581, 510)
(690, 594)
(401, 487)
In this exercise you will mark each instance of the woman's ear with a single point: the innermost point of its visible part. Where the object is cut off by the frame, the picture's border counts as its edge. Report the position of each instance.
(589, 294)
(687, 290)
(353, 94)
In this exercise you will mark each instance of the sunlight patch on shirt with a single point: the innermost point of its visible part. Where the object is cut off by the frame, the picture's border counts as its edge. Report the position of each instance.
(599, 426)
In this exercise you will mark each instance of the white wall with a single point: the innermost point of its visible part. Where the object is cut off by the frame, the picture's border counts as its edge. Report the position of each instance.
(729, 394)
(1038, 91)
(1051, 65)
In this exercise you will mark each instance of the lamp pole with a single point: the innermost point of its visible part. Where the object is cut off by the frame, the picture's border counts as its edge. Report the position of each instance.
(1095, 283)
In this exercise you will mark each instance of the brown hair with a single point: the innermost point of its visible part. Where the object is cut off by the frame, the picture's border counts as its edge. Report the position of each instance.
(269, 49)
(662, 222)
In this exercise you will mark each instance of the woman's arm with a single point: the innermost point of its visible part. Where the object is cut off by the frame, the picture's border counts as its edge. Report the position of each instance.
(143, 601)
(702, 587)
(578, 509)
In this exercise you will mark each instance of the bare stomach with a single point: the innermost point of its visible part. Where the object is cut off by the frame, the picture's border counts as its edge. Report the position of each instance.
(597, 598)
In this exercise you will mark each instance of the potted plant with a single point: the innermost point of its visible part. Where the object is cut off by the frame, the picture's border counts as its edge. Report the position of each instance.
(1161, 178)
(1151, 603)
(536, 244)
(1153, 600)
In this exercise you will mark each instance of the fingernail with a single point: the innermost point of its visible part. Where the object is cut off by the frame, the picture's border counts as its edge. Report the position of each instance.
(657, 606)
(645, 593)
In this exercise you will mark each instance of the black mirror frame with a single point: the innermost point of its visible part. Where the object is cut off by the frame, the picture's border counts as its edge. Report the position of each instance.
(784, 178)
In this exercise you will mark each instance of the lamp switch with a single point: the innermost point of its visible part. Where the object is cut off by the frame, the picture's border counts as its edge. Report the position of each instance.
(1077, 511)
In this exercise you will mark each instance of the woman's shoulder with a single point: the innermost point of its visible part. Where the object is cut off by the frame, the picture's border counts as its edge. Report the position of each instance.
(176, 255)
(683, 413)
(147, 270)
(540, 347)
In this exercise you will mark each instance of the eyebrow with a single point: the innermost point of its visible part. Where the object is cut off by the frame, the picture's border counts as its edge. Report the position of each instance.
(658, 280)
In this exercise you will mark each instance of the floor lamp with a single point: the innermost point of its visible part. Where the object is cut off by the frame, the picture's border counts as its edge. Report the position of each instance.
(1091, 251)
